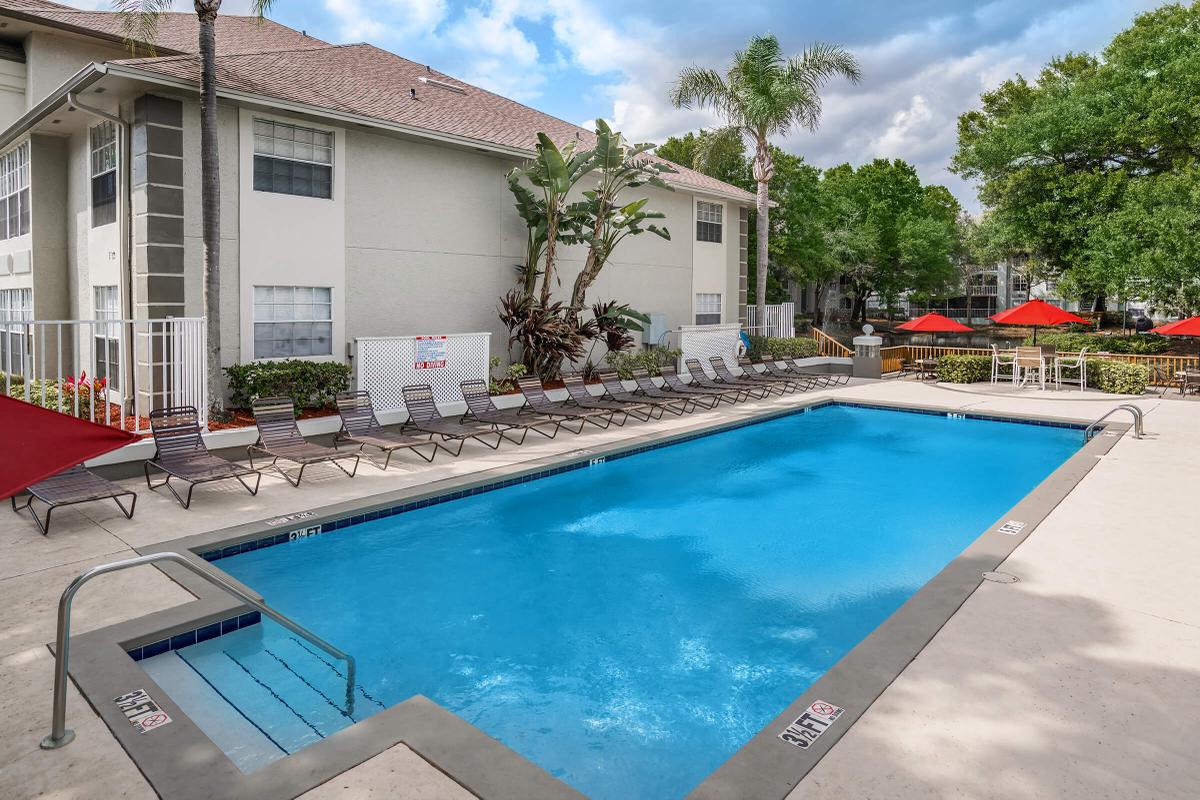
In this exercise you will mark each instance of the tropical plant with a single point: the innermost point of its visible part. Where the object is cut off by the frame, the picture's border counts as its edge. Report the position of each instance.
(140, 19)
(508, 381)
(545, 337)
(764, 94)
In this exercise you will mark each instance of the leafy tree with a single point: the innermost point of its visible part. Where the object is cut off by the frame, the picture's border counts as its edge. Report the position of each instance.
(140, 19)
(799, 246)
(765, 94)
(713, 153)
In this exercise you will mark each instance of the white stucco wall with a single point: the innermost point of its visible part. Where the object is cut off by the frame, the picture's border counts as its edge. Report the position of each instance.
(51, 58)
(13, 76)
(710, 260)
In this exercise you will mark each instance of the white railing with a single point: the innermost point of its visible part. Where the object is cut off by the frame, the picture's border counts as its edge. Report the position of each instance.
(384, 365)
(111, 371)
(780, 320)
(704, 341)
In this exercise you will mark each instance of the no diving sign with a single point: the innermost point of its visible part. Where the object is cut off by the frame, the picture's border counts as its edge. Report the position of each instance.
(142, 712)
(809, 726)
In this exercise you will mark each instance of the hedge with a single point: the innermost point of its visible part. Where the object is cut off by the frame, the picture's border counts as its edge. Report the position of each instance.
(1106, 375)
(624, 362)
(1142, 344)
(310, 384)
(964, 369)
(791, 347)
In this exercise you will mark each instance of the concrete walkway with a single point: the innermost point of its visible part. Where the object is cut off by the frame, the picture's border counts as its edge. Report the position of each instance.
(1080, 681)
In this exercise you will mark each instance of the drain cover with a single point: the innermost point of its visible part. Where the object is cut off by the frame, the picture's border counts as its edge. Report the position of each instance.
(1000, 577)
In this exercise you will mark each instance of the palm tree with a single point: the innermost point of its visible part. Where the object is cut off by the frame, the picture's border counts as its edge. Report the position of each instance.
(764, 94)
(140, 20)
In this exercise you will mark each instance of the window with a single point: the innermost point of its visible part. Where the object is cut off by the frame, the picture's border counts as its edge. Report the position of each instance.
(292, 321)
(104, 174)
(708, 221)
(14, 193)
(108, 337)
(708, 309)
(289, 159)
(16, 306)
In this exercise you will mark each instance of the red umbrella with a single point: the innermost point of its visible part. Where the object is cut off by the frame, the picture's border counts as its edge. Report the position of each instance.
(1036, 313)
(40, 442)
(1183, 327)
(933, 323)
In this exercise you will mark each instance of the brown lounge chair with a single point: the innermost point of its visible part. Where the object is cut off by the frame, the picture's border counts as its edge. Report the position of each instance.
(828, 378)
(537, 401)
(726, 376)
(180, 452)
(72, 486)
(615, 389)
(423, 416)
(673, 383)
(805, 381)
(279, 438)
(648, 388)
(749, 389)
(750, 370)
(480, 407)
(360, 426)
(580, 396)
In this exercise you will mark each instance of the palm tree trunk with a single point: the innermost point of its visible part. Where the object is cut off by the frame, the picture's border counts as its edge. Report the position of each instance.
(210, 199)
(762, 227)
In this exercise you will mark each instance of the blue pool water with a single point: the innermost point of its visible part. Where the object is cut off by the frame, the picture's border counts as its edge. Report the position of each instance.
(630, 625)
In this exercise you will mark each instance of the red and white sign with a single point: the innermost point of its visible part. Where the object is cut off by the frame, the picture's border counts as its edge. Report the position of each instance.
(431, 352)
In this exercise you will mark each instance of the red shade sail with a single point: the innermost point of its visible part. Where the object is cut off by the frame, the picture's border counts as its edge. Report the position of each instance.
(1183, 327)
(933, 323)
(1037, 312)
(38, 442)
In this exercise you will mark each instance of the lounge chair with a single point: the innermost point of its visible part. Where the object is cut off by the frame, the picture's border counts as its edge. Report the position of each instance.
(578, 395)
(279, 438)
(826, 378)
(480, 407)
(673, 383)
(360, 426)
(748, 389)
(180, 452)
(537, 401)
(423, 416)
(69, 487)
(648, 388)
(615, 389)
(725, 375)
(749, 369)
(809, 380)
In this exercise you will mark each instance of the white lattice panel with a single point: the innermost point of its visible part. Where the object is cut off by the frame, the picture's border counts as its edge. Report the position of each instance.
(704, 341)
(384, 365)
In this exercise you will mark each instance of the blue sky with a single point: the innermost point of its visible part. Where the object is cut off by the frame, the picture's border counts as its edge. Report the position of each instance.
(924, 61)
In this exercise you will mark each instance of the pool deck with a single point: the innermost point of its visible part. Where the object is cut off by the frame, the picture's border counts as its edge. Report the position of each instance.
(1080, 680)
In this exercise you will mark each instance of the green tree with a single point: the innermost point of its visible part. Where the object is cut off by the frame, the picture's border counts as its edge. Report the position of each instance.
(140, 19)
(718, 156)
(765, 94)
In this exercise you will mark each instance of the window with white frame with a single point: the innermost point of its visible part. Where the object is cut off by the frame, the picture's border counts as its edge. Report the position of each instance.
(708, 309)
(289, 159)
(1020, 284)
(16, 308)
(14, 192)
(708, 221)
(292, 321)
(104, 174)
(107, 337)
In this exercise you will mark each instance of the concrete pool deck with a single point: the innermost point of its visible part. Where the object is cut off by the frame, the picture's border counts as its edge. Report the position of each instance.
(1080, 680)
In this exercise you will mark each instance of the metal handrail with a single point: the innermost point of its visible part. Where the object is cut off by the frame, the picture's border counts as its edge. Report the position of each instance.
(60, 736)
(1132, 409)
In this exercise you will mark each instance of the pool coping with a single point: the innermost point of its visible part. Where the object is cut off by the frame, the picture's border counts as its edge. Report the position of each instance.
(180, 761)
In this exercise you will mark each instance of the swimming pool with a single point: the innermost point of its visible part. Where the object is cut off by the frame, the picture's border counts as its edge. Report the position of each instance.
(630, 625)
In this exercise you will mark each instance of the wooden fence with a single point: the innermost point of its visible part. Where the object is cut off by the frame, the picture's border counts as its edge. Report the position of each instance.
(829, 346)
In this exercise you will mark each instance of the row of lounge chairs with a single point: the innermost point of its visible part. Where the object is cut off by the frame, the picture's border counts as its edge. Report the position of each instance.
(181, 454)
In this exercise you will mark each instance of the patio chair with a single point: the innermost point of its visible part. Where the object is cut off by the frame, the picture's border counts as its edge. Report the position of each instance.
(648, 388)
(749, 389)
(1078, 363)
(827, 378)
(279, 439)
(795, 383)
(1189, 381)
(71, 487)
(480, 407)
(615, 388)
(1004, 365)
(578, 395)
(1027, 361)
(423, 416)
(673, 383)
(809, 380)
(360, 426)
(180, 452)
(537, 401)
(725, 375)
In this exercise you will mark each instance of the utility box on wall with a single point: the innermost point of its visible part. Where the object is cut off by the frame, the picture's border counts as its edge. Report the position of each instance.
(656, 332)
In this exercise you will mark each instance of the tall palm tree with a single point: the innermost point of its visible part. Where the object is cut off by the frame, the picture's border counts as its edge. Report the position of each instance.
(764, 94)
(140, 20)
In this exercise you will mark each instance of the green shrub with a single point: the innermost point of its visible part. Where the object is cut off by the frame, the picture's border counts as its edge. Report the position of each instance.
(1117, 377)
(50, 393)
(1142, 344)
(964, 369)
(508, 381)
(625, 361)
(310, 384)
(793, 347)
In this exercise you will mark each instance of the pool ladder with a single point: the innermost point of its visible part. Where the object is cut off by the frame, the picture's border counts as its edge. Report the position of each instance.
(60, 735)
(1132, 409)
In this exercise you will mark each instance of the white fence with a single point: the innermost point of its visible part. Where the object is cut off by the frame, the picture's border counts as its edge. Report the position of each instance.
(111, 371)
(704, 341)
(780, 320)
(384, 365)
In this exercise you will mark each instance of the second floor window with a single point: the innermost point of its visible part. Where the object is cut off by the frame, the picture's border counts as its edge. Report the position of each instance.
(289, 159)
(104, 174)
(708, 221)
(14, 192)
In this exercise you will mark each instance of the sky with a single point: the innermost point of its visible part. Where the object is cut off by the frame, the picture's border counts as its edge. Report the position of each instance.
(924, 62)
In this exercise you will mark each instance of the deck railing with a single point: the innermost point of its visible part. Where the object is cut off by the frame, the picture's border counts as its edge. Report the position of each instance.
(828, 346)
